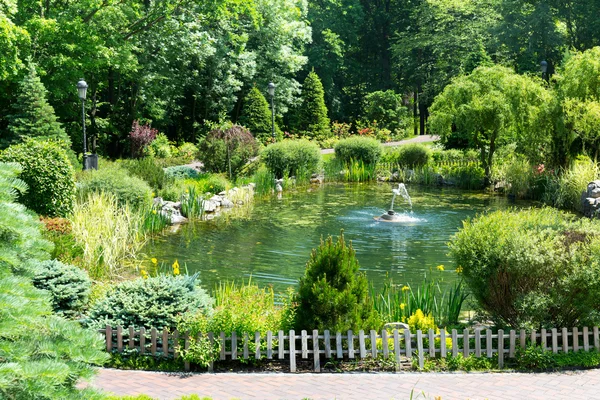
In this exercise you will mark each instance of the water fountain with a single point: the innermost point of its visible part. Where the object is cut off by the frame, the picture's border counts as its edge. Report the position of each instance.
(391, 215)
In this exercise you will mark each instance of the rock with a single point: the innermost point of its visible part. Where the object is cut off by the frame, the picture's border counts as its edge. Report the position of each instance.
(217, 200)
(240, 202)
(252, 185)
(209, 206)
(278, 188)
(223, 193)
(178, 219)
(226, 203)
(595, 193)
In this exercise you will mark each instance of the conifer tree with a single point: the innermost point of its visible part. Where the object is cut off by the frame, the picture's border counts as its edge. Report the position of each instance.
(312, 117)
(32, 115)
(333, 294)
(256, 116)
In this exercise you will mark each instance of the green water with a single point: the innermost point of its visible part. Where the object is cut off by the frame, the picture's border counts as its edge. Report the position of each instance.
(271, 240)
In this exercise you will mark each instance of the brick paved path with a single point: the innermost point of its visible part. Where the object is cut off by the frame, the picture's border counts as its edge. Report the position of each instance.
(361, 386)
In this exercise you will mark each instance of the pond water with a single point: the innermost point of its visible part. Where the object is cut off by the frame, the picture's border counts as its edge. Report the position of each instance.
(272, 239)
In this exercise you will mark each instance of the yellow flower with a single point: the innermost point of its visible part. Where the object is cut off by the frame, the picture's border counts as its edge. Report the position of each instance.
(402, 306)
(144, 274)
(405, 288)
(440, 267)
(154, 261)
(153, 194)
(187, 191)
(459, 269)
(154, 212)
(211, 186)
(176, 268)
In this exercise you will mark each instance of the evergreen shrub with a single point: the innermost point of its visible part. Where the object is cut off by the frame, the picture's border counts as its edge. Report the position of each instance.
(227, 149)
(127, 189)
(48, 174)
(299, 158)
(256, 116)
(333, 294)
(313, 121)
(357, 148)
(532, 268)
(152, 302)
(69, 286)
(180, 172)
(160, 147)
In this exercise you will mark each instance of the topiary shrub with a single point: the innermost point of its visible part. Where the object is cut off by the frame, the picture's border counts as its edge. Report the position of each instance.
(313, 121)
(299, 158)
(116, 181)
(532, 268)
(256, 116)
(181, 172)
(333, 294)
(227, 149)
(69, 286)
(152, 302)
(357, 148)
(48, 174)
(412, 155)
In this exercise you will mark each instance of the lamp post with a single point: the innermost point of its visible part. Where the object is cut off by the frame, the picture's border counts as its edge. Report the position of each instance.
(271, 89)
(82, 90)
(544, 68)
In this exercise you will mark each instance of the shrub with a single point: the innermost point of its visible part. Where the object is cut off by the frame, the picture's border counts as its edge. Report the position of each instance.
(69, 286)
(188, 151)
(572, 183)
(358, 148)
(299, 158)
(333, 294)
(412, 155)
(313, 121)
(160, 147)
(227, 149)
(256, 116)
(140, 137)
(532, 268)
(152, 302)
(180, 172)
(386, 108)
(147, 169)
(117, 182)
(108, 233)
(48, 174)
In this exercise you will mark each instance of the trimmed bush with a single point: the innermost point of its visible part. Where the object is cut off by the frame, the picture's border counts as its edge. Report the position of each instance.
(227, 150)
(357, 148)
(333, 294)
(299, 158)
(69, 286)
(313, 121)
(181, 172)
(48, 174)
(152, 302)
(411, 155)
(532, 268)
(116, 181)
(256, 116)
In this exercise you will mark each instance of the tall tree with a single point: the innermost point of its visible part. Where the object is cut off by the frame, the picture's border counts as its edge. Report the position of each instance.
(313, 121)
(256, 116)
(32, 116)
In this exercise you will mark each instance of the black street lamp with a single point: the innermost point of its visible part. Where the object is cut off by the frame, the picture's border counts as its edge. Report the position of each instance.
(82, 90)
(271, 89)
(544, 68)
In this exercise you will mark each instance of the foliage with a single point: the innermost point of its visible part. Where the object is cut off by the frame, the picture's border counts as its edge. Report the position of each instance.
(151, 302)
(32, 116)
(133, 360)
(518, 175)
(536, 358)
(180, 172)
(48, 174)
(531, 268)
(140, 138)
(147, 169)
(108, 233)
(128, 190)
(264, 180)
(256, 116)
(493, 106)
(298, 158)
(358, 148)
(188, 151)
(160, 147)
(68, 286)
(354, 171)
(386, 108)
(410, 155)
(313, 121)
(227, 149)
(568, 187)
(333, 294)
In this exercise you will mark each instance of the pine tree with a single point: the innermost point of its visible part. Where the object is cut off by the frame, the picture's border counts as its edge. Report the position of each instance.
(256, 116)
(333, 294)
(312, 116)
(32, 115)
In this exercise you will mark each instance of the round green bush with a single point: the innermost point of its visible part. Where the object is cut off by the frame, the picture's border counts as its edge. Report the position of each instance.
(69, 286)
(116, 181)
(48, 174)
(299, 158)
(160, 147)
(412, 155)
(358, 148)
(532, 268)
(152, 302)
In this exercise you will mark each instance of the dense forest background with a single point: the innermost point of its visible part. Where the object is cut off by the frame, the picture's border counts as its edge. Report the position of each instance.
(182, 64)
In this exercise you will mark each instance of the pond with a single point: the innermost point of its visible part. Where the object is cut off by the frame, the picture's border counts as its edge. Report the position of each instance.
(272, 239)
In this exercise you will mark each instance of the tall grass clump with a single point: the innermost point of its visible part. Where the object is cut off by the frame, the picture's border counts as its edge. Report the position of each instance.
(192, 203)
(109, 234)
(153, 220)
(352, 171)
(571, 184)
(264, 180)
(299, 158)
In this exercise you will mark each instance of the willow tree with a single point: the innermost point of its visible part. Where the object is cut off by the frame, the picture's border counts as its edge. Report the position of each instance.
(492, 107)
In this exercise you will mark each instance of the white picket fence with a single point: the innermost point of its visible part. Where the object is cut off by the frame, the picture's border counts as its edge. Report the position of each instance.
(390, 345)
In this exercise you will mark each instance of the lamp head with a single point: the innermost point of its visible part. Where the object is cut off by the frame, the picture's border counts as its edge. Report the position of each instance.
(271, 89)
(82, 88)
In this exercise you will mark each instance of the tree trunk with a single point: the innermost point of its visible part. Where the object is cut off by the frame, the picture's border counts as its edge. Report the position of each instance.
(415, 112)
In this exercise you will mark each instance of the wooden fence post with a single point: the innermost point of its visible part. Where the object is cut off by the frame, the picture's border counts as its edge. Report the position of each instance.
(292, 339)
(108, 336)
(361, 344)
(234, 355)
(211, 340)
(120, 339)
(397, 349)
(500, 348)
(131, 338)
(420, 349)
(316, 351)
(466, 343)
(327, 339)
